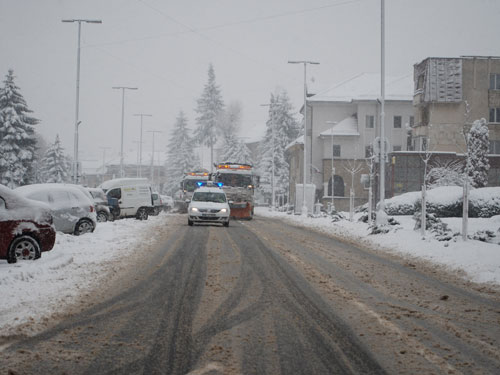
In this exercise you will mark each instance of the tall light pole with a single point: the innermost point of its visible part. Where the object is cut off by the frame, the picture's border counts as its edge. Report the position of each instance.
(123, 88)
(140, 141)
(153, 155)
(77, 122)
(103, 161)
(304, 62)
(381, 217)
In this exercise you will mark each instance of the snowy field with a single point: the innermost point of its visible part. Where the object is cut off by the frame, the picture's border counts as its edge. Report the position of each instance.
(479, 260)
(31, 291)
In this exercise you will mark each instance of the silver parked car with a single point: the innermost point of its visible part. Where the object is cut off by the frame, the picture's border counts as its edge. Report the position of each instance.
(101, 204)
(72, 210)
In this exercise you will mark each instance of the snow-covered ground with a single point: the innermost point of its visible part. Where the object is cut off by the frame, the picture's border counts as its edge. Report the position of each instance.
(479, 260)
(31, 291)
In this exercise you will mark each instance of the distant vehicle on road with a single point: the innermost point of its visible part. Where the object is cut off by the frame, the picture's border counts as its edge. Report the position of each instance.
(26, 227)
(188, 185)
(133, 195)
(239, 182)
(157, 204)
(101, 205)
(208, 205)
(72, 210)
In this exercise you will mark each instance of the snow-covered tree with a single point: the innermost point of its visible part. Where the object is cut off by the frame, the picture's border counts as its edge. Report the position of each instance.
(180, 155)
(17, 136)
(230, 120)
(54, 165)
(447, 173)
(282, 128)
(209, 109)
(478, 164)
(235, 151)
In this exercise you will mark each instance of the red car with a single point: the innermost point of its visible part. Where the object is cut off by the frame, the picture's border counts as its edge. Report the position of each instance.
(26, 227)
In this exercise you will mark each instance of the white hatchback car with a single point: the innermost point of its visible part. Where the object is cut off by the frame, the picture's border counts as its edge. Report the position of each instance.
(209, 205)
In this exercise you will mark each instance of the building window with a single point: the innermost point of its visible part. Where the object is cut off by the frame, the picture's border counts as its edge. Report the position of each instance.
(494, 81)
(396, 148)
(397, 122)
(494, 147)
(338, 186)
(368, 151)
(411, 121)
(336, 151)
(370, 121)
(494, 114)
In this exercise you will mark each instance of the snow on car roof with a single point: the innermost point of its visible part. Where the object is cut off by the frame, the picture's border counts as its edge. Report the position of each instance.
(38, 191)
(21, 208)
(209, 189)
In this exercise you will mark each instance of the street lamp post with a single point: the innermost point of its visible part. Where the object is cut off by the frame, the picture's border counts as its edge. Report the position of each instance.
(103, 161)
(381, 217)
(304, 62)
(140, 141)
(332, 209)
(77, 122)
(123, 88)
(153, 155)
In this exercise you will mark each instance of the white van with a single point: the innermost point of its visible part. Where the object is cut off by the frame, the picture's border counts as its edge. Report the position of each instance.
(133, 196)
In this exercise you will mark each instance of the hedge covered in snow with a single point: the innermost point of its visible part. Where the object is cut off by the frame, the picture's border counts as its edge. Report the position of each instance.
(446, 201)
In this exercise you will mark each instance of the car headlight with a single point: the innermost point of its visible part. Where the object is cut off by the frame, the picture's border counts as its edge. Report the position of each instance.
(194, 209)
(223, 210)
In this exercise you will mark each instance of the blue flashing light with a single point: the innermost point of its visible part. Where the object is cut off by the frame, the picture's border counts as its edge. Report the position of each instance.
(220, 184)
(199, 183)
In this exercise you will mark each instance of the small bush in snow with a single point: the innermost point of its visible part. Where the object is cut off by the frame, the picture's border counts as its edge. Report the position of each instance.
(484, 236)
(337, 216)
(439, 230)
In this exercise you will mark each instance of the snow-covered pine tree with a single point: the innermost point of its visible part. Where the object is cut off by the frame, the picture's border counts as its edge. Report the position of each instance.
(478, 164)
(17, 136)
(282, 129)
(235, 151)
(55, 164)
(180, 155)
(209, 109)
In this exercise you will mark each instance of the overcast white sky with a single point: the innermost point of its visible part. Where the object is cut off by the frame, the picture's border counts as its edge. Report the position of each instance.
(164, 48)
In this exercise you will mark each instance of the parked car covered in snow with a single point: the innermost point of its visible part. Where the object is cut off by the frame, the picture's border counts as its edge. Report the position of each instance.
(167, 202)
(101, 204)
(72, 210)
(26, 227)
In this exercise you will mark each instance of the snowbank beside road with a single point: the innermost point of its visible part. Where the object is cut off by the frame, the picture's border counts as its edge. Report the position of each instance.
(31, 291)
(479, 260)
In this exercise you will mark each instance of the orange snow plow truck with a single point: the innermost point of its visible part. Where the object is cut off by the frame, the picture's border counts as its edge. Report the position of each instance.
(238, 182)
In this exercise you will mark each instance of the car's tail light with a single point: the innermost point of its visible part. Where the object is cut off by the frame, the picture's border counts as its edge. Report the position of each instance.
(91, 208)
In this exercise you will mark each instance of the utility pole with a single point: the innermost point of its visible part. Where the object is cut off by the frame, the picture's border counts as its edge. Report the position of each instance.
(77, 121)
(332, 208)
(153, 155)
(123, 88)
(103, 161)
(140, 141)
(304, 62)
(381, 217)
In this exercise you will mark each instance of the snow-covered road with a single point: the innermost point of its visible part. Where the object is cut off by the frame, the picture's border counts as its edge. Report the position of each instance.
(30, 292)
(479, 261)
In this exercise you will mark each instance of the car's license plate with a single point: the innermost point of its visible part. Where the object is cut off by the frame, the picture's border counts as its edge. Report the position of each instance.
(209, 215)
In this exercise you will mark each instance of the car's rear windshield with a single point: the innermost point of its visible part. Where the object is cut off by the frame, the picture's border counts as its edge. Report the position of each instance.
(209, 197)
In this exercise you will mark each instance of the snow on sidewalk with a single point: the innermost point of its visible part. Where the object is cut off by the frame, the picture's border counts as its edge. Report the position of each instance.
(479, 260)
(31, 291)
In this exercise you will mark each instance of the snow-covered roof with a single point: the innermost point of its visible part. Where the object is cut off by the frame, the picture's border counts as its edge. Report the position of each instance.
(366, 86)
(348, 126)
(298, 141)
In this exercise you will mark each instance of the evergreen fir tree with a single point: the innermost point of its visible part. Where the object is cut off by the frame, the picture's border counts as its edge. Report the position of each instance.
(282, 129)
(235, 151)
(477, 153)
(210, 108)
(17, 136)
(180, 156)
(55, 164)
